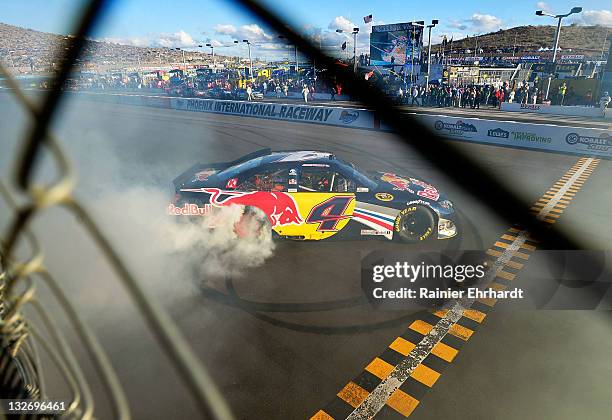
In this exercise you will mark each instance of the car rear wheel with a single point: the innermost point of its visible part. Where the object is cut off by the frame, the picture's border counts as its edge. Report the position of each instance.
(414, 224)
(253, 224)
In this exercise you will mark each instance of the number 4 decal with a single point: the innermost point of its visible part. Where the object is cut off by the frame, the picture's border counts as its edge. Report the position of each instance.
(328, 213)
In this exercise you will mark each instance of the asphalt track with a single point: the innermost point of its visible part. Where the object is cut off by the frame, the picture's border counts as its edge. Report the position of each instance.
(284, 338)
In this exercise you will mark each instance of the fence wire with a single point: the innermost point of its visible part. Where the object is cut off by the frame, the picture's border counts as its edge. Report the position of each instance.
(23, 340)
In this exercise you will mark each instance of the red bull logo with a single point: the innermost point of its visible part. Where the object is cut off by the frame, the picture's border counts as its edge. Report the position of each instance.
(398, 182)
(189, 209)
(280, 208)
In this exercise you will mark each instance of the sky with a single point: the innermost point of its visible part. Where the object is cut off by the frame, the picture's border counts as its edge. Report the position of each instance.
(190, 23)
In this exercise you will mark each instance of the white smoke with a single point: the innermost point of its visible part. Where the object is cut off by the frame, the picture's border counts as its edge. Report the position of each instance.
(129, 201)
(147, 235)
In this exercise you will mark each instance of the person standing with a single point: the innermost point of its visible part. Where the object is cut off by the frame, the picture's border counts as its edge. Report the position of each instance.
(487, 94)
(511, 96)
(534, 95)
(286, 89)
(477, 94)
(588, 98)
(524, 94)
(333, 92)
(414, 95)
(249, 93)
(305, 93)
(277, 90)
(562, 90)
(604, 101)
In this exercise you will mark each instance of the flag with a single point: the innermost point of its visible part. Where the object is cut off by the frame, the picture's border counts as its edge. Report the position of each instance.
(444, 41)
(367, 19)
(344, 46)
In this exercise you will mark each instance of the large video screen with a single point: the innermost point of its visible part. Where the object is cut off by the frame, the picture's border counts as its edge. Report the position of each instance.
(393, 44)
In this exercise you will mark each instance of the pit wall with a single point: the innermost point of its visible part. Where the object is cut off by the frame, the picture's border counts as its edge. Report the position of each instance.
(575, 111)
(543, 137)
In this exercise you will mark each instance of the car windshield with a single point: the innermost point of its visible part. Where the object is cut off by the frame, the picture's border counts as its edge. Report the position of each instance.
(360, 179)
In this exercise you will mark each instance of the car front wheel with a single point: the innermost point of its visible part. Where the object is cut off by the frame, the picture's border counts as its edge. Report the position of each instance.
(415, 223)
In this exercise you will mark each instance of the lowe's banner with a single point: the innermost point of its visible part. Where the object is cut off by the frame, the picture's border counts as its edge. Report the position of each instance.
(347, 117)
(546, 137)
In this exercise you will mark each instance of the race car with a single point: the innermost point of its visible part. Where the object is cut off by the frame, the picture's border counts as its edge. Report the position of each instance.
(313, 195)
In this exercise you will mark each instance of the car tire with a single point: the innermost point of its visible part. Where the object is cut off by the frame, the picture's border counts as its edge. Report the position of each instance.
(414, 224)
(253, 224)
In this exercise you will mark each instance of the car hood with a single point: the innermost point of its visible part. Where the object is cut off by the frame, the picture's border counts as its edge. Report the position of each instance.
(388, 181)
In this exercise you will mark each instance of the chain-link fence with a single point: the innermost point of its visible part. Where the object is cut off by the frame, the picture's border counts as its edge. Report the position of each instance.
(21, 256)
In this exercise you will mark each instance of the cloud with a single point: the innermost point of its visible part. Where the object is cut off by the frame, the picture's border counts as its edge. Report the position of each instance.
(225, 29)
(456, 24)
(340, 22)
(214, 42)
(164, 40)
(177, 39)
(595, 17)
(541, 5)
(253, 32)
(485, 23)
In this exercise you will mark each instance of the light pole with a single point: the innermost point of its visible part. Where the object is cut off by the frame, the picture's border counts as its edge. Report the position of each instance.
(355, 32)
(297, 65)
(213, 55)
(434, 22)
(184, 62)
(557, 34)
(237, 55)
(250, 61)
(476, 47)
(421, 24)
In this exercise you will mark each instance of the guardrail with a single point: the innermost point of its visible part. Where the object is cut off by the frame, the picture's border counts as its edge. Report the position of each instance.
(544, 137)
(575, 111)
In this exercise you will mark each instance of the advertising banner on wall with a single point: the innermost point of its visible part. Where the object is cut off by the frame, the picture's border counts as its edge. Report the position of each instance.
(580, 111)
(546, 137)
(347, 117)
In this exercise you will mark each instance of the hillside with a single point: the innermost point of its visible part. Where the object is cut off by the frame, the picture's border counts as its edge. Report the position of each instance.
(27, 50)
(580, 39)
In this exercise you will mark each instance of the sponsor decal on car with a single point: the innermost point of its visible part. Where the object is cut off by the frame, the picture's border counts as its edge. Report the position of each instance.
(428, 191)
(204, 175)
(499, 133)
(189, 209)
(292, 172)
(603, 142)
(280, 207)
(232, 183)
(397, 181)
(292, 181)
(362, 189)
(384, 196)
(374, 232)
